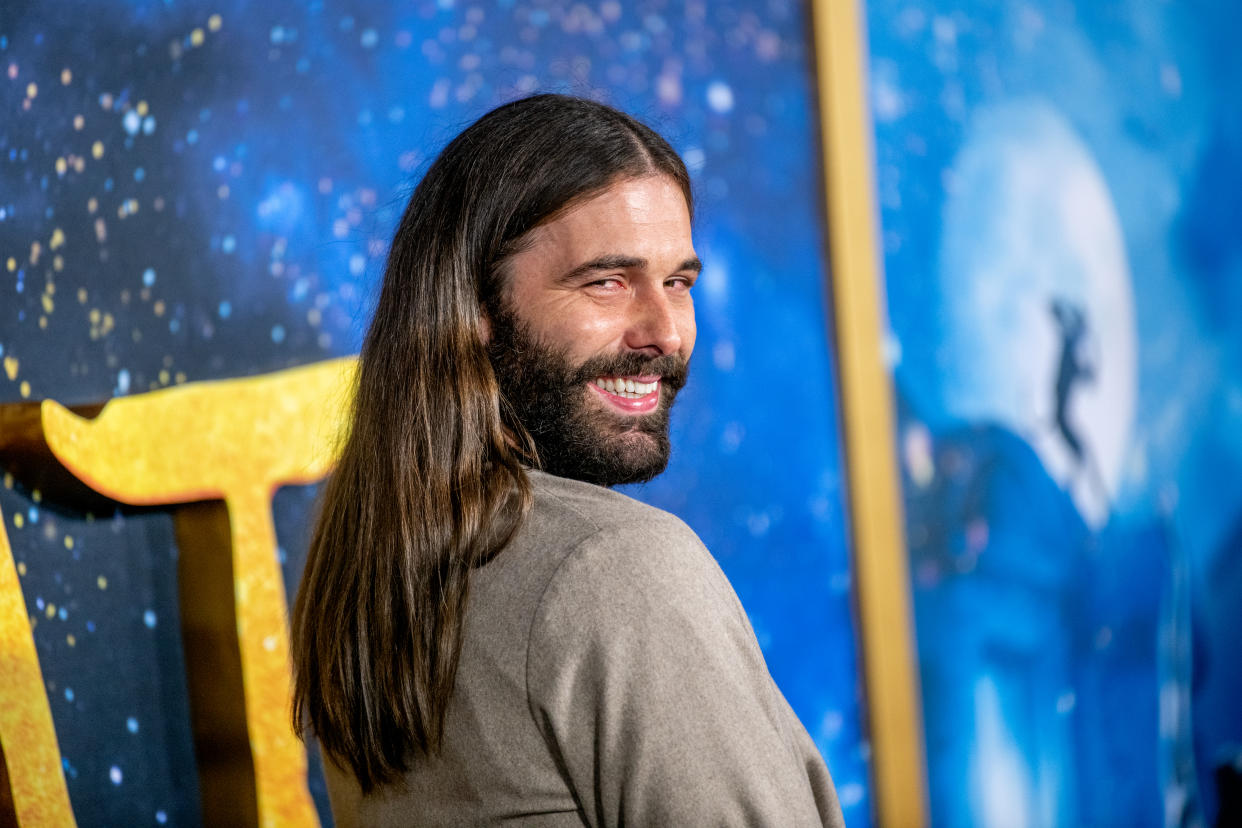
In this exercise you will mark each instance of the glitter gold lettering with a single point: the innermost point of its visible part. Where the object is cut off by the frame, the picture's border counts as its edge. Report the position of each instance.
(215, 452)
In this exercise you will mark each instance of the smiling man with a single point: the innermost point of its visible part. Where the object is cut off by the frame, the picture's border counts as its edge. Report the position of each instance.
(486, 633)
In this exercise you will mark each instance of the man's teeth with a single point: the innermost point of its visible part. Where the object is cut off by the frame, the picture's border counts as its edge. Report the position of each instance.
(626, 388)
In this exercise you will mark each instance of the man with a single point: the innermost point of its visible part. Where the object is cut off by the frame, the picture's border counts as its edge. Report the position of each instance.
(485, 633)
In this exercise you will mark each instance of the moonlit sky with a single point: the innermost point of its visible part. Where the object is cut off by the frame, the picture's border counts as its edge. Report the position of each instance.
(1028, 223)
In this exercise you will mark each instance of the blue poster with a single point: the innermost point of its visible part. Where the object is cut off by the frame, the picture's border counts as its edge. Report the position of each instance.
(195, 191)
(1058, 186)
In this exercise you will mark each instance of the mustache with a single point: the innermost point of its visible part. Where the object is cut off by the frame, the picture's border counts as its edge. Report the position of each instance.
(671, 368)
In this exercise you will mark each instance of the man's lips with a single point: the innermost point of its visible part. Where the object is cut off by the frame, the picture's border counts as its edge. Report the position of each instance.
(644, 397)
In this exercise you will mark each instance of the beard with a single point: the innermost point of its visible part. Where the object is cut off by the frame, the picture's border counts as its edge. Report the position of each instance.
(576, 436)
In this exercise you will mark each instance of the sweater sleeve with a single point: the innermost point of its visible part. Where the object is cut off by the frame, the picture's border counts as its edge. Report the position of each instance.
(647, 683)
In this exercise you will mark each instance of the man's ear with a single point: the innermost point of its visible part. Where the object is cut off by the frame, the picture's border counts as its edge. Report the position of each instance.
(485, 326)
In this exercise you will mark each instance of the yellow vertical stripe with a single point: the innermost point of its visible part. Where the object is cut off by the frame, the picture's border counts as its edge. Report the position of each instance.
(899, 788)
(37, 794)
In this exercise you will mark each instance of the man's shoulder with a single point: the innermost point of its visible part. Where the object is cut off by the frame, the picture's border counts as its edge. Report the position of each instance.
(579, 530)
(575, 511)
(604, 540)
(583, 539)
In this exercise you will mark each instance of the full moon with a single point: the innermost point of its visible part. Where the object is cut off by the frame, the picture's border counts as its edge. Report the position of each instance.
(1037, 306)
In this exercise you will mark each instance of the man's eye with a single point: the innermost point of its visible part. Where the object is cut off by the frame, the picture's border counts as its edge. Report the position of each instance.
(680, 283)
(607, 284)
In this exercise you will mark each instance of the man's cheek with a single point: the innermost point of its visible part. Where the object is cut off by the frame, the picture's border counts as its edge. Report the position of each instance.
(689, 332)
(593, 330)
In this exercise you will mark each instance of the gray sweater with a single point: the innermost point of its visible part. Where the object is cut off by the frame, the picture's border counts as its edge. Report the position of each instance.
(609, 676)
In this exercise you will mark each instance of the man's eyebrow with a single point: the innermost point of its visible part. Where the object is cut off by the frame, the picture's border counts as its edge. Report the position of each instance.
(615, 262)
(619, 262)
(692, 264)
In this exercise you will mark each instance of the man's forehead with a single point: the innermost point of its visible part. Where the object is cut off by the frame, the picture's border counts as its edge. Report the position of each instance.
(642, 222)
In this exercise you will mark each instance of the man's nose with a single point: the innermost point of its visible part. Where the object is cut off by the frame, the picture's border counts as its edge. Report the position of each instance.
(653, 323)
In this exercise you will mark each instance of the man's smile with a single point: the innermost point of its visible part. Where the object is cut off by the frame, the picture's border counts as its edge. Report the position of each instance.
(632, 395)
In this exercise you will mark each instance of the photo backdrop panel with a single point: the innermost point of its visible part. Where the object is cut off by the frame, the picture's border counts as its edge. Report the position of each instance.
(1059, 232)
(205, 191)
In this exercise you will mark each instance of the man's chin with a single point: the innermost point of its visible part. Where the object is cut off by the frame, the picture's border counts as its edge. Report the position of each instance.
(633, 456)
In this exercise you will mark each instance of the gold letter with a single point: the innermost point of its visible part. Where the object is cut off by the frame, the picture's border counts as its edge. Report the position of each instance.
(235, 441)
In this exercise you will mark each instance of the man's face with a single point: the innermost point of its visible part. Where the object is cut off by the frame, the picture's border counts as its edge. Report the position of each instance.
(592, 338)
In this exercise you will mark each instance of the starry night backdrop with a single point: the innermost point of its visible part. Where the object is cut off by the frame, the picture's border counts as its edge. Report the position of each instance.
(192, 191)
(1062, 239)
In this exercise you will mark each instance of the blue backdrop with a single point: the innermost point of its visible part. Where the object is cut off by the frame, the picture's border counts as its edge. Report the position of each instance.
(201, 190)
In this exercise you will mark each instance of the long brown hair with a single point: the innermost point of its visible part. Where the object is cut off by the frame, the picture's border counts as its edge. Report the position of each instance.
(430, 481)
